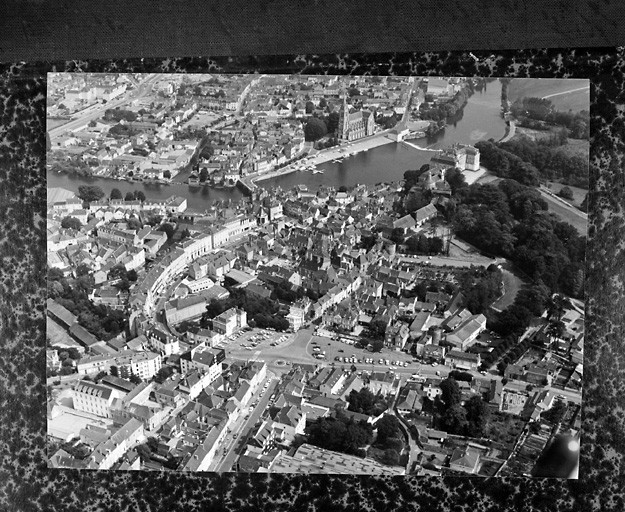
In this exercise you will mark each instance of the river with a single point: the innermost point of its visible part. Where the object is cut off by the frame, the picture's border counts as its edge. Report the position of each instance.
(479, 120)
(198, 198)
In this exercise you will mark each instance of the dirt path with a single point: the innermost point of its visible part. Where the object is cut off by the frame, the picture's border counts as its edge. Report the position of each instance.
(566, 92)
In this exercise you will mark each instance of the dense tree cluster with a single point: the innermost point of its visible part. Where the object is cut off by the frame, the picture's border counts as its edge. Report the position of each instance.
(543, 111)
(263, 313)
(511, 220)
(118, 114)
(556, 413)
(411, 177)
(365, 402)
(340, 434)
(566, 193)
(122, 277)
(455, 178)
(71, 223)
(421, 244)
(506, 164)
(116, 194)
(314, 129)
(284, 292)
(441, 112)
(460, 375)
(377, 329)
(388, 427)
(101, 321)
(470, 419)
(60, 162)
(123, 130)
(389, 441)
(90, 193)
(137, 195)
(527, 161)
(168, 229)
(480, 288)
(388, 122)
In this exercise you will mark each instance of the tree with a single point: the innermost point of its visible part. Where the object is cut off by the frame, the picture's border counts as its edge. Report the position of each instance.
(455, 178)
(556, 413)
(377, 329)
(450, 392)
(333, 122)
(90, 193)
(390, 457)
(397, 236)
(71, 223)
(167, 174)
(100, 376)
(455, 419)
(168, 229)
(310, 107)
(116, 194)
(139, 196)
(203, 174)
(388, 427)
(458, 375)
(130, 196)
(134, 223)
(361, 401)
(135, 379)
(163, 374)
(566, 193)
(315, 129)
(477, 416)
(377, 345)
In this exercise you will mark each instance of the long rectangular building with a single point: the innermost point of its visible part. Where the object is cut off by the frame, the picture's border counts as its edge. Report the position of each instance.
(310, 459)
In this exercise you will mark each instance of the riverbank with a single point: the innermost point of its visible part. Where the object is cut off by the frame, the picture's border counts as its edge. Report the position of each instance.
(510, 131)
(330, 154)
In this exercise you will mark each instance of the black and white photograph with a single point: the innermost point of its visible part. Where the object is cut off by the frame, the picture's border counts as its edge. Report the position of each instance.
(315, 274)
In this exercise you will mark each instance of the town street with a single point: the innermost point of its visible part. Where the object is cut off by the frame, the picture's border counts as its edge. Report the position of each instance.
(144, 88)
(236, 438)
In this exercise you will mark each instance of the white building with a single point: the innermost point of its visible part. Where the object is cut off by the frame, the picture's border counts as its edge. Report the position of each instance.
(230, 321)
(94, 398)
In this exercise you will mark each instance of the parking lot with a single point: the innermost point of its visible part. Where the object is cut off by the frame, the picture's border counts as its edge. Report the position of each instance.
(342, 351)
(252, 340)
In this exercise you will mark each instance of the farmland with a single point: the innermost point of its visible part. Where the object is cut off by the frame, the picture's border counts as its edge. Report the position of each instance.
(577, 99)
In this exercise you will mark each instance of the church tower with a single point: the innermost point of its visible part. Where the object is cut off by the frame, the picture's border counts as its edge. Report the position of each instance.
(344, 120)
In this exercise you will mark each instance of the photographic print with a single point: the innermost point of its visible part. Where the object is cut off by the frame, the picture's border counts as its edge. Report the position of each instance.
(315, 274)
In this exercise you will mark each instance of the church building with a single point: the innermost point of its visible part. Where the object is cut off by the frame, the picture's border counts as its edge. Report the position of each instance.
(354, 125)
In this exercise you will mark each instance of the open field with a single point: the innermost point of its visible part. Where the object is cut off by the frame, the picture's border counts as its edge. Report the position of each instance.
(578, 193)
(570, 214)
(569, 94)
(576, 147)
(572, 147)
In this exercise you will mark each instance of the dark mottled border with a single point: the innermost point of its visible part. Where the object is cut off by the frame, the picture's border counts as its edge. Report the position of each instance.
(26, 484)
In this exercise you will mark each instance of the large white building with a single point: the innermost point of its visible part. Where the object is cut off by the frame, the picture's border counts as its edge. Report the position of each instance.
(230, 321)
(94, 398)
(142, 364)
